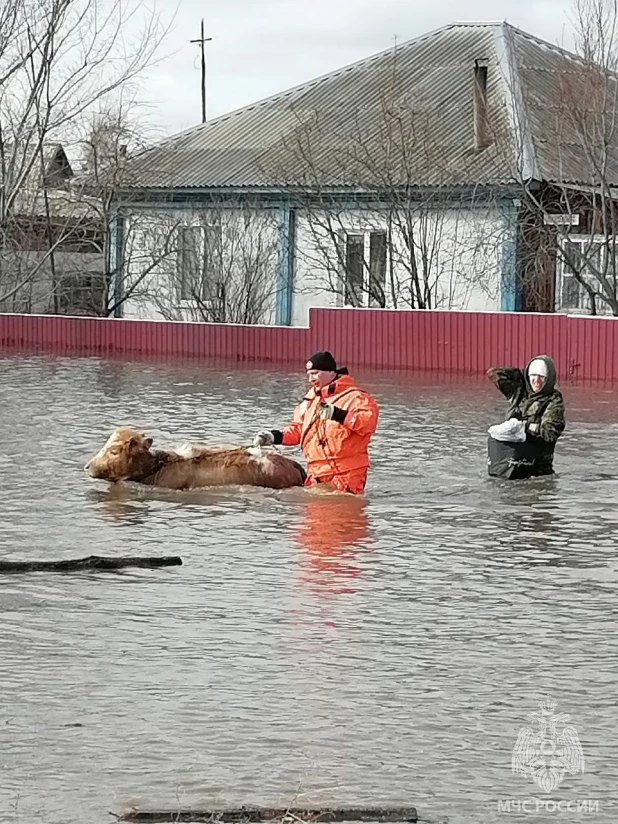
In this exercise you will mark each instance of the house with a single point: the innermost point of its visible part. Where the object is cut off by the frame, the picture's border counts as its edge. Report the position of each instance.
(51, 251)
(448, 172)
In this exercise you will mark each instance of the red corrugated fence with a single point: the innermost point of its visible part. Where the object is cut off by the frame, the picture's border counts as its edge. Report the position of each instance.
(116, 337)
(463, 342)
(456, 342)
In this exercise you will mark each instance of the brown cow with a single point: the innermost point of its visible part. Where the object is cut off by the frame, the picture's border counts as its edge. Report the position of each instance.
(127, 456)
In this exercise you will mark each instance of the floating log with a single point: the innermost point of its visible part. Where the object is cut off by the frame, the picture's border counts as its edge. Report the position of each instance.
(291, 814)
(91, 562)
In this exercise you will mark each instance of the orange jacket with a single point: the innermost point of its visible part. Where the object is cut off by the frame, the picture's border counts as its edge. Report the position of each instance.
(332, 448)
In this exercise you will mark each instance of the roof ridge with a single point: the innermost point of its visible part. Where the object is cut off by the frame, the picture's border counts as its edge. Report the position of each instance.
(533, 38)
(525, 150)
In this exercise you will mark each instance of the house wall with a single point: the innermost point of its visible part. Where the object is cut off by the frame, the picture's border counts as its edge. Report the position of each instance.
(27, 280)
(248, 264)
(536, 263)
(463, 249)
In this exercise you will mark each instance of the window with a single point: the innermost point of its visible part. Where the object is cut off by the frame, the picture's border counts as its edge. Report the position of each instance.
(354, 264)
(365, 269)
(81, 294)
(581, 258)
(189, 261)
(212, 286)
(377, 268)
(573, 263)
(571, 293)
(199, 263)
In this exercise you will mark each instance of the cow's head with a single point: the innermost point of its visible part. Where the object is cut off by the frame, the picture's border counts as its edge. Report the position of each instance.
(125, 455)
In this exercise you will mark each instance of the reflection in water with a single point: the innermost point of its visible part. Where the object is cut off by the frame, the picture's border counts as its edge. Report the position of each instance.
(334, 528)
(245, 671)
(116, 502)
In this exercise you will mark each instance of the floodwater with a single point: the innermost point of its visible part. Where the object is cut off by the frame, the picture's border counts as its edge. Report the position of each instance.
(315, 650)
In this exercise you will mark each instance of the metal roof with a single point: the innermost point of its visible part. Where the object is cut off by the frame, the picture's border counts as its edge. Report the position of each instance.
(570, 106)
(403, 116)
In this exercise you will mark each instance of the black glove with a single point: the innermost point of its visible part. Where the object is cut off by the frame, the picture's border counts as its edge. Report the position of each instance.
(330, 412)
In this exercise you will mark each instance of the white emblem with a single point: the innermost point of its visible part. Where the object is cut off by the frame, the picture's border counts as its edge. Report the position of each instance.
(548, 753)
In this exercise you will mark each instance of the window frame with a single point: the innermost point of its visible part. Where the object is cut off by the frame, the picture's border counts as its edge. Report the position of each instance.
(207, 270)
(184, 288)
(565, 273)
(367, 296)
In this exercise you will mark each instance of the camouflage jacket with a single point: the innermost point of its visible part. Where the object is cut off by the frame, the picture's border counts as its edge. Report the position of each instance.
(544, 408)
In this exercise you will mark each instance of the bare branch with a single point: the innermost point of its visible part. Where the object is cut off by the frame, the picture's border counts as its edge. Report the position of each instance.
(60, 61)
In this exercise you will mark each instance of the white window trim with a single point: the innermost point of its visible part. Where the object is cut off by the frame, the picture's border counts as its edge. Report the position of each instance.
(366, 232)
(601, 241)
(190, 303)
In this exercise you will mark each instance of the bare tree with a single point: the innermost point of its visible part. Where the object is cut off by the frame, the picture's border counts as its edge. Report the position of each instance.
(218, 263)
(114, 132)
(570, 224)
(378, 230)
(409, 250)
(58, 60)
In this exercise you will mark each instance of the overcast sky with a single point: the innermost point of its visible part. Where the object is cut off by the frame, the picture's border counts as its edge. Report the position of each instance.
(262, 47)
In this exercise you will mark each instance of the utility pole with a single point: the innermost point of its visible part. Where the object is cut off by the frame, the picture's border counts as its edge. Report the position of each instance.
(202, 42)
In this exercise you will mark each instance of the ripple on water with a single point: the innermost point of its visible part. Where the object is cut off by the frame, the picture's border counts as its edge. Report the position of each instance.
(384, 650)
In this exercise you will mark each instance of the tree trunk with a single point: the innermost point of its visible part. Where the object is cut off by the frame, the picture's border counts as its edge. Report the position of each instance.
(91, 562)
(258, 814)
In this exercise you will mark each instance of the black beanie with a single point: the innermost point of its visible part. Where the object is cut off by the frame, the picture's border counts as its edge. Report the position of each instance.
(323, 361)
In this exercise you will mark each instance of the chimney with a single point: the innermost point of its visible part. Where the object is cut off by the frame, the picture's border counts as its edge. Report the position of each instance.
(481, 125)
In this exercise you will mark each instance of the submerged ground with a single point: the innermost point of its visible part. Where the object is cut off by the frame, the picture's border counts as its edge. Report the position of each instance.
(330, 650)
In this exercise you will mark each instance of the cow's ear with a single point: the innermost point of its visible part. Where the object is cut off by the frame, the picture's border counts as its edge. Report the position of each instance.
(148, 442)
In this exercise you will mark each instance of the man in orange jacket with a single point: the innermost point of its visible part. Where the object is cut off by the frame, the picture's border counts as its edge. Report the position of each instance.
(333, 425)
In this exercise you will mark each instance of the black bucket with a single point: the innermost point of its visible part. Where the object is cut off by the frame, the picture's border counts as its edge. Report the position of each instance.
(516, 461)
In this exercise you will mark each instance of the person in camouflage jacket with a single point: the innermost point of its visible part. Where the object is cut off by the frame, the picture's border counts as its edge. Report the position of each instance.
(534, 398)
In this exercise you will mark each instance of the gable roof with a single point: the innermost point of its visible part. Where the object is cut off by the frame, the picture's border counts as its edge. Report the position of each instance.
(42, 179)
(52, 167)
(33, 169)
(405, 115)
(568, 108)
